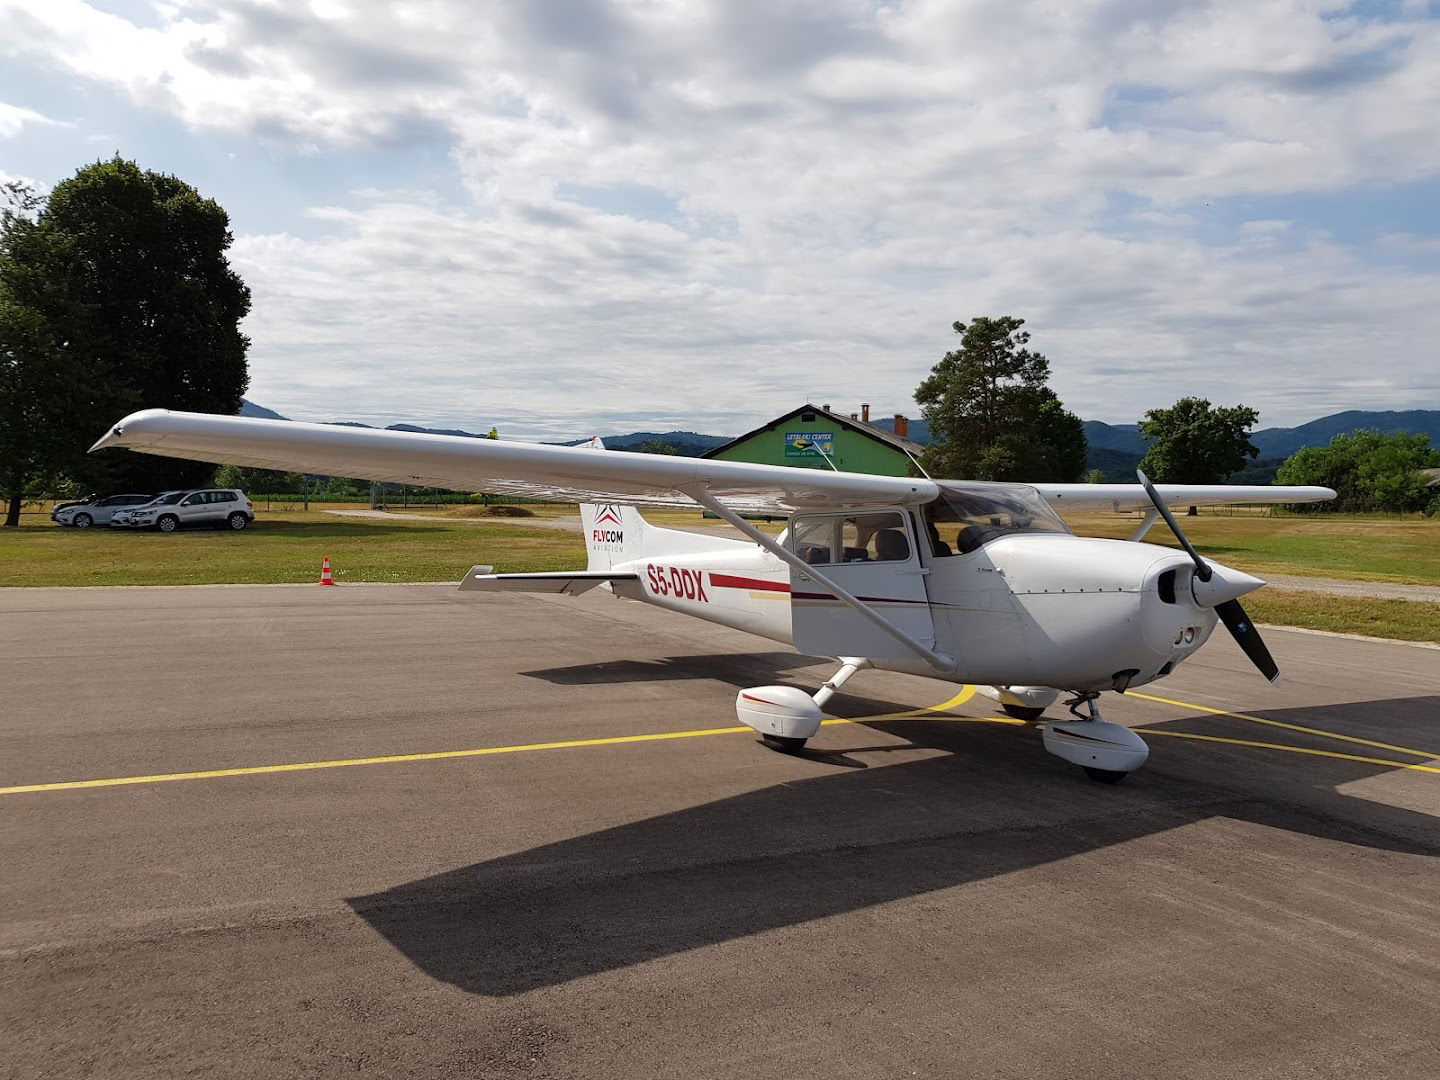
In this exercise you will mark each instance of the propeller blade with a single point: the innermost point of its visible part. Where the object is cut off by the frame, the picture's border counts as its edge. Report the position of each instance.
(1230, 611)
(1248, 638)
(1202, 568)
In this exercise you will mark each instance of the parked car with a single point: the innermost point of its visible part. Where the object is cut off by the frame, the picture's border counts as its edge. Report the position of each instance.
(95, 511)
(125, 519)
(94, 496)
(220, 508)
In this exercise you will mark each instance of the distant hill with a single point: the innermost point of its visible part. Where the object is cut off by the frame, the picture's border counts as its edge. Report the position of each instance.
(686, 443)
(1282, 442)
(249, 408)
(1122, 437)
(435, 431)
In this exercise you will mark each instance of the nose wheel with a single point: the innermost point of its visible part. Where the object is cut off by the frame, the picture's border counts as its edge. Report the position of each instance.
(1107, 752)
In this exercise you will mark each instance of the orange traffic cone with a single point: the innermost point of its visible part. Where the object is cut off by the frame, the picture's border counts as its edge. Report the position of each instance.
(325, 578)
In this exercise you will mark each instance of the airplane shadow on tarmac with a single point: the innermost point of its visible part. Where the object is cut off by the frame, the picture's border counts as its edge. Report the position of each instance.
(962, 802)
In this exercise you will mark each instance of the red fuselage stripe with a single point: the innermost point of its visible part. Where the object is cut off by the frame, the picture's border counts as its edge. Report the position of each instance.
(726, 581)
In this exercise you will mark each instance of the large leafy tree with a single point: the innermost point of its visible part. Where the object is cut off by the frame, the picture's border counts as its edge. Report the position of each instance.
(124, 270)
(1194, 442)
(1368, 470)
(41, 385)
(992, 415)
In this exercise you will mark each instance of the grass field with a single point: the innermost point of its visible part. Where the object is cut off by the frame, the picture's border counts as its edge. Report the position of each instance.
(282, 546)
(1405, 620)
(286, 546)
(1403, 550)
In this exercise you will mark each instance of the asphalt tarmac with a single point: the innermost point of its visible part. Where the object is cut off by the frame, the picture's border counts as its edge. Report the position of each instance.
(660, 896)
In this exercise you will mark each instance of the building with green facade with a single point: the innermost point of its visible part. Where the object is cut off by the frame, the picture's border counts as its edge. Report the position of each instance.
(805, 437)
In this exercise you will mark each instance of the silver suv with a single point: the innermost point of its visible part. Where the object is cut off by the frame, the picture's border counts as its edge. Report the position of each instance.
(220, 508)
(96, 511)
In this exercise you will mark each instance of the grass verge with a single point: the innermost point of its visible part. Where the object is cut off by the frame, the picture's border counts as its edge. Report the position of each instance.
(1395, 549)
(1404, 620)
(283, 546)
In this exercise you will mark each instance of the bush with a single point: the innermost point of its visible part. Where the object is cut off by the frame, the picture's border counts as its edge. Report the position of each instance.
(1368, 471)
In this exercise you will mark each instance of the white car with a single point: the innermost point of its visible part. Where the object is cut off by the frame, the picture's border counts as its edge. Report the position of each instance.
(220, 508)
(93, 511)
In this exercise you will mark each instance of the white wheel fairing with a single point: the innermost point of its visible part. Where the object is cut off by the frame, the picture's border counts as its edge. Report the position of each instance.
(1096, 744)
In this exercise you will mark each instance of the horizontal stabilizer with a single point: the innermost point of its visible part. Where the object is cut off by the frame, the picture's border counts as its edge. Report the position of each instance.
(569, 582)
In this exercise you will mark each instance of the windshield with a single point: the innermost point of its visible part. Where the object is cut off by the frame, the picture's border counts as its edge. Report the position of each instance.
(170, 498)
(966, 516)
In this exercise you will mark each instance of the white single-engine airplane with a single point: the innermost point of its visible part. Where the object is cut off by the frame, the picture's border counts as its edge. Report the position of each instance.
(967, 582)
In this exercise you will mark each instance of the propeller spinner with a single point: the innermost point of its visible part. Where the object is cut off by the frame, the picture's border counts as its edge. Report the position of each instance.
(1219, 592)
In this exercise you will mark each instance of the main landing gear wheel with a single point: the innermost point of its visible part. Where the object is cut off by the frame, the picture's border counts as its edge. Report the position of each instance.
(783, 743)
(1106, 751)
(1027, 713)
(1105, 776)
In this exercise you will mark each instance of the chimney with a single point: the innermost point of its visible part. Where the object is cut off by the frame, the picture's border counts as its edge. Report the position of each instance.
(902, 426)
(865, 413)
(826, 406)
(854, 416)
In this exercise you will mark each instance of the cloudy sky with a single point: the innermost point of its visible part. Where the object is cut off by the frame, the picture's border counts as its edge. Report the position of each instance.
(566, 216)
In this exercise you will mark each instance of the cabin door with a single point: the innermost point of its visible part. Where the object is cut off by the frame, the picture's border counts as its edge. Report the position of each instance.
(874, 556)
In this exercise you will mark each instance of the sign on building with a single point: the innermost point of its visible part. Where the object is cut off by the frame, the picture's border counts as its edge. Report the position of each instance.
(799, 444)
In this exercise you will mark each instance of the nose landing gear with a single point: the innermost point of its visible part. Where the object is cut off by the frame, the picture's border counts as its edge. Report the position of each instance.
(1107, 752)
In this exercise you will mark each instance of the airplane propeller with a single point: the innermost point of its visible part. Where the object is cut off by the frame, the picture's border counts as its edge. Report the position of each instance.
(1223, 592)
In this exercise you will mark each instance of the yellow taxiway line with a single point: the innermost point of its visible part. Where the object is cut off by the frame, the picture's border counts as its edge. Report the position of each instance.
(934, 712)
(1289, 727)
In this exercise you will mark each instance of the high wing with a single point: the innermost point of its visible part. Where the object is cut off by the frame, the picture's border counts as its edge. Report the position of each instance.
(500, 467)
(1121, 497)
(576, 474)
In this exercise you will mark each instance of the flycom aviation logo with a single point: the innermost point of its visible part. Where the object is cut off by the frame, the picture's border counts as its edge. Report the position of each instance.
(600, 534)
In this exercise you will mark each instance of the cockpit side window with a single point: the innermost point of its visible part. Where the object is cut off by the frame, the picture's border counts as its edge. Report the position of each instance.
(966, 516)
(850, 538)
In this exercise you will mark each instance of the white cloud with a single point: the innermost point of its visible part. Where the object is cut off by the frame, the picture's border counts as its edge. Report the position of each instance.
(838, 181)
(13, 119)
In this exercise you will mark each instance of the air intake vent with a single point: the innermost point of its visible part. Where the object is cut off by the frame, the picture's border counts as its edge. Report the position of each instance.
(1167, 587)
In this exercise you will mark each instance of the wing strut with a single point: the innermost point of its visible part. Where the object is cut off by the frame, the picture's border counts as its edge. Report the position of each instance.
(939, 661)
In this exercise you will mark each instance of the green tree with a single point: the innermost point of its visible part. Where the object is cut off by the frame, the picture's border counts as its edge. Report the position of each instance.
(126, 270)
(494, 433)
(42, 387)
(261, 481)
(992, 415)
(1194, 442)
(34, 388)
(1368, 471)
(654, 446)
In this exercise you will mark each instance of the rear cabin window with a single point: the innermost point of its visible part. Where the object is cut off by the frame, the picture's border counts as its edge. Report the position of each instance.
(851, 538)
